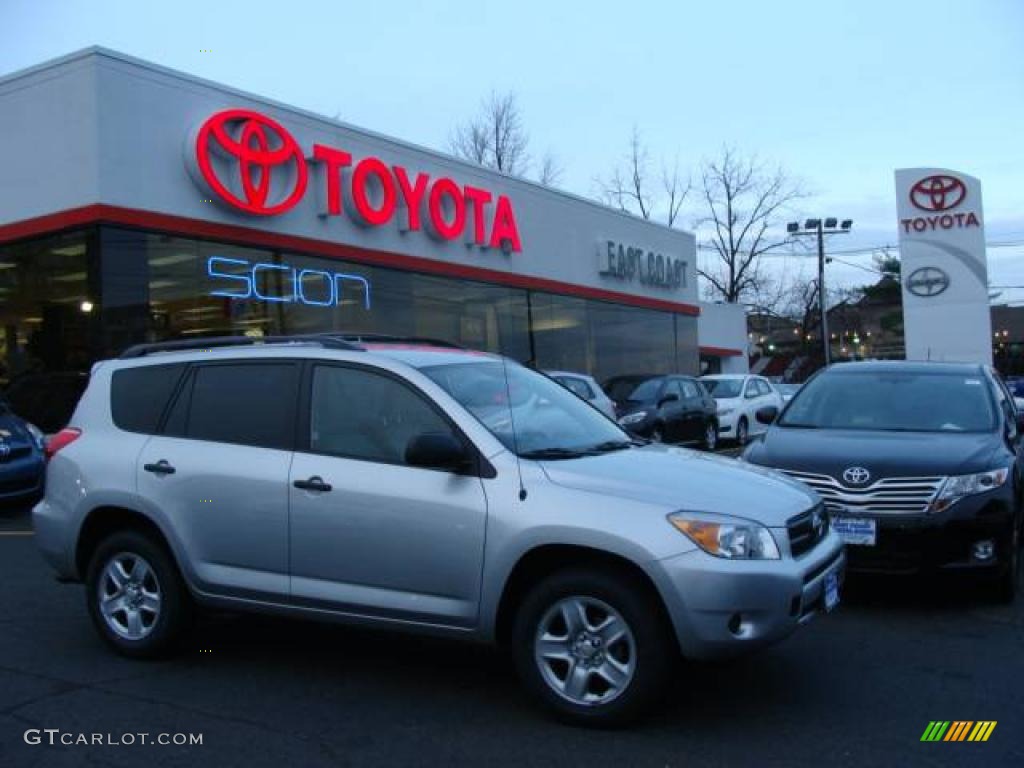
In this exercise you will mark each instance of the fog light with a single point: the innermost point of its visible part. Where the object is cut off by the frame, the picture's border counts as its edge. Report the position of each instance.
(983, 550)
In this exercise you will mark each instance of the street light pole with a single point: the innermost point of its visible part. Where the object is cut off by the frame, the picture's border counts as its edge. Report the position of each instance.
(827, 346)
(820, 228)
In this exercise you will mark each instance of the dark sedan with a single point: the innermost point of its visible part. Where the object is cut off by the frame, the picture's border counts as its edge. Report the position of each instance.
(22, 460)
(670, 409)
(919, 464)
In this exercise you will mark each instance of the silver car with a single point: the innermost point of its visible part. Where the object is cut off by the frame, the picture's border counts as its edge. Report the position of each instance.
(425, 488)
(586, 387)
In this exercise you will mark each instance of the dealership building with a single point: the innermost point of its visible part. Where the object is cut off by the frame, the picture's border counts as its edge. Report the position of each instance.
(141, 204)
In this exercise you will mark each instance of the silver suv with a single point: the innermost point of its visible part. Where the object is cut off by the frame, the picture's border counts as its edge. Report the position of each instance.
(424, 487)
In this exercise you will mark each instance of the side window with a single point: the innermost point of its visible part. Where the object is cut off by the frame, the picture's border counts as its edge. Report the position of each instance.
(673, 388)
(690, 391)
(751, 388)
(763, 387)
(359, 414)
(138, 396)
(243, 403)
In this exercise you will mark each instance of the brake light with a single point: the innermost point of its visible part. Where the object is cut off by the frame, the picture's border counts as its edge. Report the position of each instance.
(62, 439)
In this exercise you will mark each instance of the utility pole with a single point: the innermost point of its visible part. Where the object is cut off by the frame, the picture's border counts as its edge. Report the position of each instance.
(820, 228)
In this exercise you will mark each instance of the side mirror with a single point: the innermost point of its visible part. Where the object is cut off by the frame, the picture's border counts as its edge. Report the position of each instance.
(436, 450)
(767, 415)
(670, 398)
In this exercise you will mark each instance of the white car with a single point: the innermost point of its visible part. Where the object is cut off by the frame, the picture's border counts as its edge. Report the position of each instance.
(739, 397)
(585, 387)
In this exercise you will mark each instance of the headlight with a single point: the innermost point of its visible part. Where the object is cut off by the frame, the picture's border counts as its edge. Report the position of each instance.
(959, 486)
(37, 436)
(633, 418)
(725, 411)
(727, 537)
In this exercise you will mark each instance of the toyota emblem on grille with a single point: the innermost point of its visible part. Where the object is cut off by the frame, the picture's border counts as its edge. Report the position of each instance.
(856, 475)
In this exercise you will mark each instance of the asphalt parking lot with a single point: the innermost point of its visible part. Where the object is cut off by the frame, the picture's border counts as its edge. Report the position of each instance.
(856, 688)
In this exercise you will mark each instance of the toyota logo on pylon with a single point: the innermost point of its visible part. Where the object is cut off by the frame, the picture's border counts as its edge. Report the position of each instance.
(938, 193)
(251, 162)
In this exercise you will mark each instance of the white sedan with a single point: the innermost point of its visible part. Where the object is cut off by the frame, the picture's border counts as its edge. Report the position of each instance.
(739, 397)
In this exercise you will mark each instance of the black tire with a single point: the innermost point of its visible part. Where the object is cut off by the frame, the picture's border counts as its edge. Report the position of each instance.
(710, 441)
(654, 651)
(1008, 581)
(742, 431)
(176, 608)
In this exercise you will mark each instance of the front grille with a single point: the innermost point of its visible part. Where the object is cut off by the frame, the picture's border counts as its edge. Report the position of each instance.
(890, 495)
(806, 530)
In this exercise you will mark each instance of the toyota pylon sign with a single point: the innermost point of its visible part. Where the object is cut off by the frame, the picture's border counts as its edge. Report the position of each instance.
(943, 266)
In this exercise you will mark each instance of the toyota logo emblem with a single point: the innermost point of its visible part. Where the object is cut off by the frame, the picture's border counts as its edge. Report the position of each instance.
(856, 475)
(251, 162)
(938, 193)
(927, 282)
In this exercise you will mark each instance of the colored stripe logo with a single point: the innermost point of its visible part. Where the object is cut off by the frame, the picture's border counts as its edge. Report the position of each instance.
(958, 730)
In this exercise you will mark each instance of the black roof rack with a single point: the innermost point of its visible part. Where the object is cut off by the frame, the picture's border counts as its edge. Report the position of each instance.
(386, 338)
(329, 341)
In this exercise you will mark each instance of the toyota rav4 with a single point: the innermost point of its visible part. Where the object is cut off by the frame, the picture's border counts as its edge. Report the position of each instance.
(425, 487)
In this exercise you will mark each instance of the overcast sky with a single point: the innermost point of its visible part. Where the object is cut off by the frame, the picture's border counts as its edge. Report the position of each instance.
(838, 93)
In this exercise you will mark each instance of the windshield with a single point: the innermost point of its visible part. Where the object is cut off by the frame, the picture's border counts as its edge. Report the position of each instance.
(549, 420)
(633, 389)
(722, 389)
(893, 402)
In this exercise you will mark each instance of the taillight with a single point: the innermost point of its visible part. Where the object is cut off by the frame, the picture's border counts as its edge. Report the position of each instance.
(65, 437)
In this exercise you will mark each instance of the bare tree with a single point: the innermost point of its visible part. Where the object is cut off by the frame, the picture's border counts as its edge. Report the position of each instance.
(495, 138)
(744, 200)
(550, 171)
(630, 187)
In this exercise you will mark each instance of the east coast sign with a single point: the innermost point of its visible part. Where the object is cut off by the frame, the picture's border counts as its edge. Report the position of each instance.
(250, 163)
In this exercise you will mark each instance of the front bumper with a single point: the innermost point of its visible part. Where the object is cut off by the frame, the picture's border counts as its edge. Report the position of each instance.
(908, 544)
(722, 607)
(21, 480)
(727, 424)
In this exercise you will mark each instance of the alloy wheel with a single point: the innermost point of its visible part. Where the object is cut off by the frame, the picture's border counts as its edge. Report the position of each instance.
(129, 596)
(710, 437)
(657, 435)
(585, 651)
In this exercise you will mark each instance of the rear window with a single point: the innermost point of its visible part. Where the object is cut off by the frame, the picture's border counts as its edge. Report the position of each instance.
(138, 396)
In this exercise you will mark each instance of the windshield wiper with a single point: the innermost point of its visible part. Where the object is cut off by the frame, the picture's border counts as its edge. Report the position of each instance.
(554, 453)
(611, 445)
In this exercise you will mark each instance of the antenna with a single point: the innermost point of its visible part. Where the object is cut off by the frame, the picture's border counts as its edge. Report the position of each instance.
(512, 420)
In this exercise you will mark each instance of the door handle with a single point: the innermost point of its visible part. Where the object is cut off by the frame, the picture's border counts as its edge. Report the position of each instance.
(162, 467)
(315, 483)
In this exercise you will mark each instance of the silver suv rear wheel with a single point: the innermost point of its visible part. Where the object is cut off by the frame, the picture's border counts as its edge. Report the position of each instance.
(129, 596)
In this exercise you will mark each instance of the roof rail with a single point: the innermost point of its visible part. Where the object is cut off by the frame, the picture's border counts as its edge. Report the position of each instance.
(387, 338)
(185, 345)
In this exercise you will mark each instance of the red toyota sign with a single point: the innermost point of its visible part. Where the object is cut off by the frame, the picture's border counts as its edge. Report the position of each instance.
(938, 195)
(253, 165)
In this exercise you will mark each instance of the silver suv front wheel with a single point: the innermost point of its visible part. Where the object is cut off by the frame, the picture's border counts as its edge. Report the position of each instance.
(593, 644)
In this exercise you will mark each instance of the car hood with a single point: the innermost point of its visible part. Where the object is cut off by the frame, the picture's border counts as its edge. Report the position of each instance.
(678, 479)
(883, 454)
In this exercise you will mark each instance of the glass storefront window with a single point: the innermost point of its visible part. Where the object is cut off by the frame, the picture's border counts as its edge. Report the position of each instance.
(69, 300)
(47, 316)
